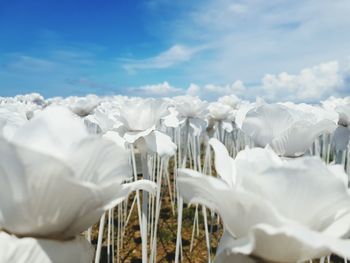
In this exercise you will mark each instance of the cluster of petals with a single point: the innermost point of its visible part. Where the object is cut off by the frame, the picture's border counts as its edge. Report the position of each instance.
(275, 209)
(56, 181)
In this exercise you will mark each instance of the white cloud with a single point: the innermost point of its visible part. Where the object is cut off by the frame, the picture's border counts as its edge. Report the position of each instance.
(251, 37)
(174, 55)
(208, 91)
(236, 87)
(193, 90)
(212, 91)
(309, 84)
(157, 90)
(24, 63)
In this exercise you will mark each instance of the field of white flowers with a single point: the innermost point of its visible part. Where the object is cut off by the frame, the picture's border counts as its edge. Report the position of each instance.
(274, 177)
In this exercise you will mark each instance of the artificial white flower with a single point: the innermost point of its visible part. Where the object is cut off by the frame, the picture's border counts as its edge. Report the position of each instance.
(57, 180)
(278, 210)
(138, 121)
(283, 129)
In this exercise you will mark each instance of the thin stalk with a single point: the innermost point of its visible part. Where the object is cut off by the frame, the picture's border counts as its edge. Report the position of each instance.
(144, 231)
(100, 237)
(137, 192)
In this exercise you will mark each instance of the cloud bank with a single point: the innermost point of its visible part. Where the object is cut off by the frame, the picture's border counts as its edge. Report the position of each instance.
(309, 85)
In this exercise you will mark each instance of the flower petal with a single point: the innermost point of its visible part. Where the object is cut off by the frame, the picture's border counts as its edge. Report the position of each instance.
(160, 143)
(116, 138)
(133, 136)
(224, 251)
(99, 161)
(304, 189)
(172, 120)
(224, 164)
(52, 132)
(23, 250)
(32, 202)
(298, 138)
(290, 243)
(239, 210)
(227, 126)
(109, 196)
(265, 122)
(126, 189)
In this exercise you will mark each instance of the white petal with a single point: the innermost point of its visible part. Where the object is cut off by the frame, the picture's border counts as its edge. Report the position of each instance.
(10, 122)
(38, 193)
(109, 196)
(304, 189)
(265, 122)
(255, 161)
(227, 126)
(290, 243)
(52, 132)
(36, 205)
(24, 250)
(116, 138)
(141, 114)
(340, 227)
(126, 189)
(224, 164)
(298, 138)
(344, 114)
(133, 136)
(160, 143)
(172, 120)
(238, 210)
(224, 251)
(99, 161)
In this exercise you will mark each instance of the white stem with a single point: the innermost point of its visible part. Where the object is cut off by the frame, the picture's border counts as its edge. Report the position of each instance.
(100, 237)
(179, 226)
(137, 192)
(204, 210)
(193, 228)
(109, 235)
(158, 203)
(144, 231)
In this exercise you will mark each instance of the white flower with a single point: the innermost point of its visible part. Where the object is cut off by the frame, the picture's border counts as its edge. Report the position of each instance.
(283, 129)
(311, 113)
(57, 180)
(282, 211)
(191, 107)
(233, 101)
(82, 106)
(344, 114)
(139, 118)
(189, 110)
(99, 122)
(221, 113)
(341, 135)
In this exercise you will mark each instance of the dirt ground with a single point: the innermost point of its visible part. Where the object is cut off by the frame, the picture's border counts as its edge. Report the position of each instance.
(166, 240)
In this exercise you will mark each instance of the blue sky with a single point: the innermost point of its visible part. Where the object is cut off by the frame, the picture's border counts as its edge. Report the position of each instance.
(276, 49)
